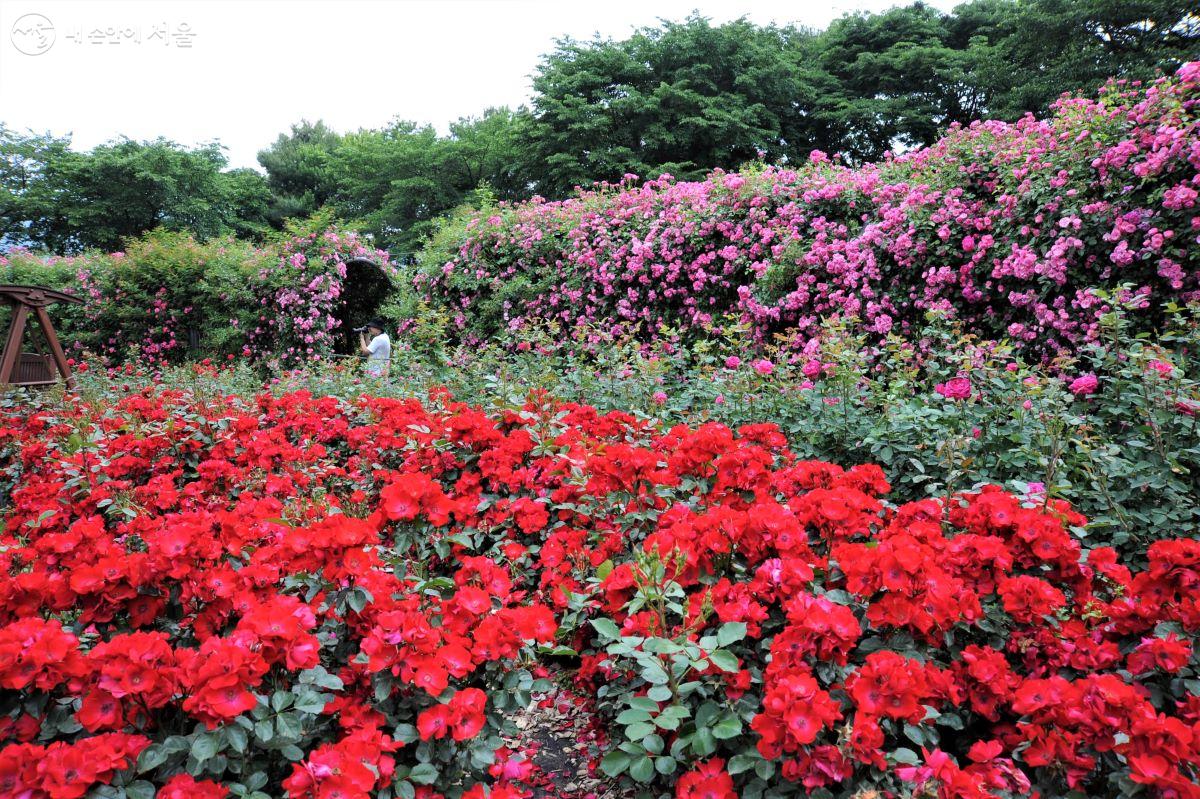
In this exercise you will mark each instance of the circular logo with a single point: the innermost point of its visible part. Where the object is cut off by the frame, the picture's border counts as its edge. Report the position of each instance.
(33, 34)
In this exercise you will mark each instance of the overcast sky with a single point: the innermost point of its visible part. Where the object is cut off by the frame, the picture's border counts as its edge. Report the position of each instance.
(98, 69)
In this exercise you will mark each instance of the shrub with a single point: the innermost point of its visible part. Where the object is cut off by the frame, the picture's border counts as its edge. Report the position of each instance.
(305, 596)
(1014, 229)
(167, 298)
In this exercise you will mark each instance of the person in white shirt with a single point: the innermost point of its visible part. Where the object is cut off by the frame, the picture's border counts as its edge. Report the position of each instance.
(378, 350)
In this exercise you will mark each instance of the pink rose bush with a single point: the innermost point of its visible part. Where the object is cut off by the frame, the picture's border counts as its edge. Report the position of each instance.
(298, 295)
(1018, 230)
(169, 298)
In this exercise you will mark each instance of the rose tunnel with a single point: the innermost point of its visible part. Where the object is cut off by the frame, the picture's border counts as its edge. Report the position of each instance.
(364, 291)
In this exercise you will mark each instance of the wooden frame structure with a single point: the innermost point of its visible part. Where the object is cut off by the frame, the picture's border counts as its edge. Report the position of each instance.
(32, 369)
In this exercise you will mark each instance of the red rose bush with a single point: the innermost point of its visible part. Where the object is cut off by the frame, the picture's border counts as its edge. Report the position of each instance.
(204, 596)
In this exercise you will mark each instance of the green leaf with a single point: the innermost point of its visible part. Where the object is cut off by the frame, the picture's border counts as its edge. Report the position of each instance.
(281, 700)
(237, 737)
(312, 703)
(642, 769)
(665, 764)
(607, 628)
(906, 756)
(741, 763)
(667, 722)
(639, 730)
(703, 743)
(614, 763)
(321, 678)
(724, 660)
(264, 730)
(914, 734)
(707, 712)
(731, 632)
(654, 673)
(204, 747)
(140, 790)
(659, 693)
(633, 715)
(423, 774)
(151, 758)
(730, 726)
(287, 726)
(644, 703)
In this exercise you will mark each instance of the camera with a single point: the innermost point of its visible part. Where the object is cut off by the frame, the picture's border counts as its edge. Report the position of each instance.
(362, 329)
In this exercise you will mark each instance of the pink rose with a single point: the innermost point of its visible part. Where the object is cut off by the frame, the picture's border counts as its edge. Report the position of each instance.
(1084, 385)
(1163, 368)
(955, 388)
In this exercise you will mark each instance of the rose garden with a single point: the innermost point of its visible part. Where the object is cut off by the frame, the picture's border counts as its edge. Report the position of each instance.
(804, 480)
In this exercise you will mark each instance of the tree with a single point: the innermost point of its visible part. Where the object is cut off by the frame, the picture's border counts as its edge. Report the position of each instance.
(489, 151)
(30, 194)
(125, 188)
(902, 76)
(682, 98)
(249, 207)
(298, 169)
(1053, 46)
(393, 182)
(54, 198)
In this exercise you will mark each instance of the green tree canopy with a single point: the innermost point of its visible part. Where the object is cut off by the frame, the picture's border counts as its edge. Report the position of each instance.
(64, 201)
(682, 98)
(298, 169)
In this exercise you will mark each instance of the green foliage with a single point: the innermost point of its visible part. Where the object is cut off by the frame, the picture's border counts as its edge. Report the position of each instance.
(66, 202)
(682, 98)
(1128, 457)
(298, 172)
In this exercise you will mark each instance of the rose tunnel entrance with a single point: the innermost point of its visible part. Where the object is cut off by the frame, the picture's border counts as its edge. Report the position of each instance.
(364, 291)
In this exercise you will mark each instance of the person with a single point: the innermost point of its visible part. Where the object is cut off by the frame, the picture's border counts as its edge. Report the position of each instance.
(378, 350)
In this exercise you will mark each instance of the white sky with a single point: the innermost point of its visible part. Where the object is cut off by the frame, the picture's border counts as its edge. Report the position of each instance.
(257, 66)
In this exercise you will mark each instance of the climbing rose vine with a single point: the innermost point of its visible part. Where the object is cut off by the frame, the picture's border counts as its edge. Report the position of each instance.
(1022, 230)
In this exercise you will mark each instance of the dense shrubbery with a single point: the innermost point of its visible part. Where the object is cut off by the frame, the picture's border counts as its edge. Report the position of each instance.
(228, 593)
(1029, 232)
(941, 414)
(313, 597)
(167, 298)
(1011, 228)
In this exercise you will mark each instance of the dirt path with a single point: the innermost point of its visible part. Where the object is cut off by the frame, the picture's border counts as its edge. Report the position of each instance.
(559, 737)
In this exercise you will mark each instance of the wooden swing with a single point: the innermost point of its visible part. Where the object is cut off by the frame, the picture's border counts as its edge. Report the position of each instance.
(32, 369)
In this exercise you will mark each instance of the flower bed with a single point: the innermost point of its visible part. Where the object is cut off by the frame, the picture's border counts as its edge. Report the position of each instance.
(310, 597)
